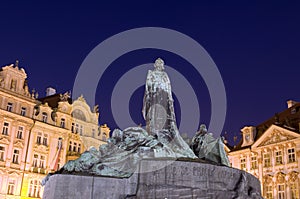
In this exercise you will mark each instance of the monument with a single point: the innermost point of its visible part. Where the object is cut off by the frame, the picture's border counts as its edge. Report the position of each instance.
(153, 163)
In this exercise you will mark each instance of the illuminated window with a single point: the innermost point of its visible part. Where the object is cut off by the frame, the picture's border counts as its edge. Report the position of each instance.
(42, 162)
(35, 160)
(294, 190)
(39, 138)
(23, 111)
(291, 155)
(281, 191)
(278, 157)
(45, 140)
(11, 187)
(2, 151)
(267, 160)
(253, 162)
(9, 106)
(34, 189)
(20, 132)
(16, 156)
(5, 128)
(269, 192)
(243, 163)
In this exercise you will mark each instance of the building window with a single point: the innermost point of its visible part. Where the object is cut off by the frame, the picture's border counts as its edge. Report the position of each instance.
(93, 133)
(291, 155)
(70, 146)
(243, 163)
(79, 148)
(2, 151)
(62, 123)
(11, 187)
(35, 160)
(45, 139)
(278, 157)
(73, 127)
(9, 106)
(20, 132)
(74, 146)
(269, 192)
(39, 161)
(42, 162)
(253, 162)
(281, 191)
(5, 128)
(44, 117)
(16, 156)
(267, 160)
(81, 129)
(23, 111)
(76, 128)
(39, 138)
(294, 190)
(34, 189)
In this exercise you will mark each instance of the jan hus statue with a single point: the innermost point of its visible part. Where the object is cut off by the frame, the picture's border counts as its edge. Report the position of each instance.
(158, 110)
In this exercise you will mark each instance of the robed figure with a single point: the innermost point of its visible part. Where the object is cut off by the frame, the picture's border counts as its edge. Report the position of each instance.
(158, 111)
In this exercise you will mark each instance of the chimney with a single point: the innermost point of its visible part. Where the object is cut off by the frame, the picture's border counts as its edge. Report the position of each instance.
(50, 91)
(290, 103)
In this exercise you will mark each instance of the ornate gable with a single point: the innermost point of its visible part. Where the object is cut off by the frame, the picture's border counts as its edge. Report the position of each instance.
(275, 134)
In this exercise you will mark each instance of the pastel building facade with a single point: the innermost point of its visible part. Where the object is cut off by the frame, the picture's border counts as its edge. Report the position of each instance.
(39, 135)
(271, 152)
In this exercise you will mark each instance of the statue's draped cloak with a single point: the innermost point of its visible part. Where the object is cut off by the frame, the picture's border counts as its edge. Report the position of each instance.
(158, 111)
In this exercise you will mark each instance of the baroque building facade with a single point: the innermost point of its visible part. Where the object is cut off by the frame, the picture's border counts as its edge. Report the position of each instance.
(39, 135)
(271, 152)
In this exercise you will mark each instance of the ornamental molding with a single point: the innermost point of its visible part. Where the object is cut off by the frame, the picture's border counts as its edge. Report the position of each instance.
(4, 140)
(19, 144)
(41, 148)
(275, 135)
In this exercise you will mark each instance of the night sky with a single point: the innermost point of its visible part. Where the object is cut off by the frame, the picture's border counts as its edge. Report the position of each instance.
(255, 46)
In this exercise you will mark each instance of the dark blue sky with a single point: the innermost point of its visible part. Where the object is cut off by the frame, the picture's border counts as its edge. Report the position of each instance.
(255, 46)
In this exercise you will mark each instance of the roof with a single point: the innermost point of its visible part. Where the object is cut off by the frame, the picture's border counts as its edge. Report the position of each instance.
(288, 119)
(53, 100)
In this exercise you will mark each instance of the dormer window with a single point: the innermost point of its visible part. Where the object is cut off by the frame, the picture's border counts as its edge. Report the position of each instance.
(62, 123)
(248, 133)
(44, 117)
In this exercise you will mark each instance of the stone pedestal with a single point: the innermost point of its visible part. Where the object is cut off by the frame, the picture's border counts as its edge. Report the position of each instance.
(159, 179)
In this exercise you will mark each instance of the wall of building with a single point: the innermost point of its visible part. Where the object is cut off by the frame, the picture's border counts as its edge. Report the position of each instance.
(35, 138)
(274, 159)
